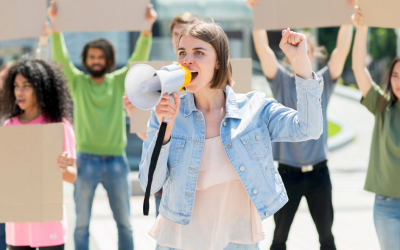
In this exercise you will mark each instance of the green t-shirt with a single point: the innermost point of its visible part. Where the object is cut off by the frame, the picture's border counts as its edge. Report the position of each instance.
(383, 175)
(99, 117)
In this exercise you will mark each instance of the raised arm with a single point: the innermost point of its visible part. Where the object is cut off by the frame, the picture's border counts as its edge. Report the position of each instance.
(59, 49)
(143, 45)
(285, 124)
(267, 57)
(363, 77)
(42, 51)
(339, 54)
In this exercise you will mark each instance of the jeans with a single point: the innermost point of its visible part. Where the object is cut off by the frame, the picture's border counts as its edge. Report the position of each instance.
(3, 245)
(112, 173)
(317, 188)
(231, 246)
(387, 221)
(59, 247)
(158, 201)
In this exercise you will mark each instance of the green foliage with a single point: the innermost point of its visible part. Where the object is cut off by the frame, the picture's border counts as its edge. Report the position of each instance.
(382, 43)
(333, 129)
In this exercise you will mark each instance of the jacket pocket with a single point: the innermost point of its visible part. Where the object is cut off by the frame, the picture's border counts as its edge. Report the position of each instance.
(175, 152)
(256, 143)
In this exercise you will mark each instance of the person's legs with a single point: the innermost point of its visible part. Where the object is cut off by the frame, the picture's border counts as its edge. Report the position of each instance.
(20, 248)
(284, 217)
(319, 199)
(119, 192)
(89, 175)
(59, 247)
(387, 221)
(3, 244)
(158, 201)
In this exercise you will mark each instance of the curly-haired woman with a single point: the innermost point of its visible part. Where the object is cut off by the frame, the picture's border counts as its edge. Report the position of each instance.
(35, 92)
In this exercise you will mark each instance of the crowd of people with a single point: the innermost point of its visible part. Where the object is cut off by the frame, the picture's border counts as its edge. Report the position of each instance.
(215, 179)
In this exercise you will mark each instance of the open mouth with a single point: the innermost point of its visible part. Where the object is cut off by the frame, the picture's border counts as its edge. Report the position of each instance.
(194, 75)
(21, 102)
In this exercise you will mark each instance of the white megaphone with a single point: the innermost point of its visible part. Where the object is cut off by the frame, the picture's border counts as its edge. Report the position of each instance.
(145, 86)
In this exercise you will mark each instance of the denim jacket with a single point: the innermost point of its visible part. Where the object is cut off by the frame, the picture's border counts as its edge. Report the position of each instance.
(251, 123)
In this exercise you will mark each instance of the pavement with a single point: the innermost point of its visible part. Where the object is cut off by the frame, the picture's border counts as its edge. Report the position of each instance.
(353, 225)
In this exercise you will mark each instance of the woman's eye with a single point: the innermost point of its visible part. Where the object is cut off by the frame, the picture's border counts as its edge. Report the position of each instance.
(182, 53)
(199, 53)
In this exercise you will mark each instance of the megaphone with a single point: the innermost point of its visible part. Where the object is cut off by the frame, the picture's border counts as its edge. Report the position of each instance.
(145, 86)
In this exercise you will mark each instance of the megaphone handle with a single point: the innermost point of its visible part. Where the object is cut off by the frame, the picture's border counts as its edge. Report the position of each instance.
(166, 119)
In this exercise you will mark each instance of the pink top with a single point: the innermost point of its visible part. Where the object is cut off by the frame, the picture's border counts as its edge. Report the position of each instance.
(222, 212)
(41, 234)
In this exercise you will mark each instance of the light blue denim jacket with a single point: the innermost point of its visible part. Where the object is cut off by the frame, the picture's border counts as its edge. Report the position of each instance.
(251, 123)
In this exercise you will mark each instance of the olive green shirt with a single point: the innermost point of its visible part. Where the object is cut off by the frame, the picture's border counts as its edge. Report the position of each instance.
(383, 175)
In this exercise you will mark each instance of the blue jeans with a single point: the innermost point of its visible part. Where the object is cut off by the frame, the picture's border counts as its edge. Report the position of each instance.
(112, 173)
(3, 245)
(387, 221)
(158, 201)
(231, 246)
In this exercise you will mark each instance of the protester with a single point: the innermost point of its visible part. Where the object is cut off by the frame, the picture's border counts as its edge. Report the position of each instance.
(383, 172)
(35, 92)
(303, 166)
(214, 197)
(176, 27)
(3, 72)
(100, 127)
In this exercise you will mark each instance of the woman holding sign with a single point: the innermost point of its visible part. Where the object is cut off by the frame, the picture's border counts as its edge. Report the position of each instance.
(35, 92)
(383, 173)
(215, 166)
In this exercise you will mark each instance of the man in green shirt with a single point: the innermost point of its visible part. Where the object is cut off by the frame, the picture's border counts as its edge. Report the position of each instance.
(100, 128)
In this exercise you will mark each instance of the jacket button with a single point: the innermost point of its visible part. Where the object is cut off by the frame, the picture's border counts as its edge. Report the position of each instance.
(162, 150)
(267, 214)
(257, 137)
(185, 220)
(255, 191)
(242, 168)
(224, 124)
(228, 146)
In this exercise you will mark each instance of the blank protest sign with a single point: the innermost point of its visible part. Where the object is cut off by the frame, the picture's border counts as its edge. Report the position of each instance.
(102, 15)
(30, 180)
(21, 19)
(280, 14)
(382, 13)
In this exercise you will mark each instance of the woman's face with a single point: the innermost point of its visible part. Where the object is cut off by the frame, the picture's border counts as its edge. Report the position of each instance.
(395, 80)
(200, 58)
(24, 93)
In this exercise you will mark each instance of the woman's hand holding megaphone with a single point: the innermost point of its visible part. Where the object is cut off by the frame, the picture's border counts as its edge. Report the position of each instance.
(167, 108)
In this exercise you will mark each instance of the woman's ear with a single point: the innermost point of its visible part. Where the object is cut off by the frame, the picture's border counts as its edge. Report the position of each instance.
(217, 65)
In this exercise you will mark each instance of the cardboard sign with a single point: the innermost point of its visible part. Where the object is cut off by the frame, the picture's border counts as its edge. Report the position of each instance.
(382, 13)
(102, 15)
(22, 18)
(31, 182)
(241, 74)
(280, 14)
